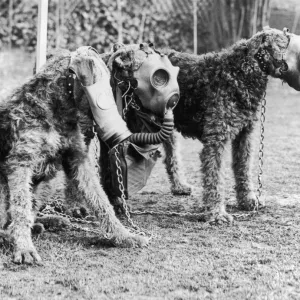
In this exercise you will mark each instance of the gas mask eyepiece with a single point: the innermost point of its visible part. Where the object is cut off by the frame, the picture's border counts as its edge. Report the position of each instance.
(157, 87)
(160, 78)
(172, 102)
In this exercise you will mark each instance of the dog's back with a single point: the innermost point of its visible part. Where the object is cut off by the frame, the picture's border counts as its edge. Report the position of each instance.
(41, 104)
(214, 85)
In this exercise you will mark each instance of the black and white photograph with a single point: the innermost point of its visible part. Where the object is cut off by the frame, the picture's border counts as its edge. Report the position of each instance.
(150, 149)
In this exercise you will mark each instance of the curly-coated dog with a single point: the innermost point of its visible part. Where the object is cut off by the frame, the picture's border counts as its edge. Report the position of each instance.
(41, 129)
(221, 94)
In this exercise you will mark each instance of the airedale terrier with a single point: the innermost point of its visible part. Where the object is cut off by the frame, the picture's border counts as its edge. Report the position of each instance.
(221, 94)
(41, 130)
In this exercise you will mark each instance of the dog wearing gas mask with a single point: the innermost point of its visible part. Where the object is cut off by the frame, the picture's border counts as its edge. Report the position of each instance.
(144, 98)
(45, 127)
(221, 94)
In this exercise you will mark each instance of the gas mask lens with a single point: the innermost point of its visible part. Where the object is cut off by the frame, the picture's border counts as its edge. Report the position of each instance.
(172, 102)
(160, 78)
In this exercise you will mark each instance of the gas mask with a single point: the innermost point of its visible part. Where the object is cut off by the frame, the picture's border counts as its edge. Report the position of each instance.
(157, 85)
(151, 74)
(292, 58)
(145, 73)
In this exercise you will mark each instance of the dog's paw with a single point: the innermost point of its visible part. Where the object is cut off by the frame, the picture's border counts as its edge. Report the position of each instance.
(250, 202)
(130, 240)
(27, 256)
(181, 190)
(218, 218)
(53, 222)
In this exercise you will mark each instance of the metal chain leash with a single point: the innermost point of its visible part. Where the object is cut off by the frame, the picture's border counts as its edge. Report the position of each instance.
(134, 226)
(200, 216)
(261, 149)
(50, 210)
(259, 189)
(188, 214)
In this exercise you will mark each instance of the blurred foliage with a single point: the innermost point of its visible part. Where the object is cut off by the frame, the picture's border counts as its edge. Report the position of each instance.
(223, 22)
(95, 23)
(167, 23)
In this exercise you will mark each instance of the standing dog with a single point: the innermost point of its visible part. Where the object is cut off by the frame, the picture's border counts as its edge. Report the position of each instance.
(45, 125)
(221, 94)
(41, 129)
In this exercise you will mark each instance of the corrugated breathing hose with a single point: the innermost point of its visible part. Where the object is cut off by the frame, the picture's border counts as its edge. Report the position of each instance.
(158, 137)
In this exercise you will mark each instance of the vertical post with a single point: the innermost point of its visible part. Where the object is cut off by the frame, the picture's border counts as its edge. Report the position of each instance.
(41, 44)
(195, 26)
(254, 24)
(120, 25)
(10, 22)
(57, 25)
(296, 20)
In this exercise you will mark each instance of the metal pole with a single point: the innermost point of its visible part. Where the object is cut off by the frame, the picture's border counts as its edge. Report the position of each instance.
(10, 22)
(41, 44)
(120, 25)
(195, 26)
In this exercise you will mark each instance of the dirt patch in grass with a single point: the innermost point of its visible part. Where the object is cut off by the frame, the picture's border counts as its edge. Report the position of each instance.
(256, 258)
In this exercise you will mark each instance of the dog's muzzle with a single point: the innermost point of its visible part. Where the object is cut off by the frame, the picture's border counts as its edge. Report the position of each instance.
(292, 58)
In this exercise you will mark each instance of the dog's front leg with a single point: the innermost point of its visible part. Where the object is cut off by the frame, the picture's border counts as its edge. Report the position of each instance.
(213, 198)
(88, 183)
(173, 166)
(20, 210)
(241, 161)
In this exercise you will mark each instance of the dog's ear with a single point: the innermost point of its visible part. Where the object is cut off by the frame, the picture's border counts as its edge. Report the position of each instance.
(117, 46)
(117, 50)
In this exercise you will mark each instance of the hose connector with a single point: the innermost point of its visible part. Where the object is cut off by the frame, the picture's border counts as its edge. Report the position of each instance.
(158, 137)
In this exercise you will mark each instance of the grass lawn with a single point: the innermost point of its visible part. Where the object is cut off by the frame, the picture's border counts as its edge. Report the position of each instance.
(256, 258)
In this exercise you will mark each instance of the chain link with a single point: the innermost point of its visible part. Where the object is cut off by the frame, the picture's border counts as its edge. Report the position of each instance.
(261, 149)
(200, 216)
(49, 209)
(128, 104)
(136, 228)
(259, 189)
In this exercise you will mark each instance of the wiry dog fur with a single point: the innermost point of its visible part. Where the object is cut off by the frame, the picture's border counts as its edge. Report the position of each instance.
(42, 129)
(221, 94)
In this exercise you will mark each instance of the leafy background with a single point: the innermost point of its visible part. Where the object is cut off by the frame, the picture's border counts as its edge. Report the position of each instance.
(167, 23)
(93, 23)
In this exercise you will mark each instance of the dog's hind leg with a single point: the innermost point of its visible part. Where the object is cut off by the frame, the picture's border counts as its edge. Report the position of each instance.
(46, 192)
(173, 166)
(50, 190)
(19, 176)
(4, 202)
(213, 198)
(88, 183)
(241, 154)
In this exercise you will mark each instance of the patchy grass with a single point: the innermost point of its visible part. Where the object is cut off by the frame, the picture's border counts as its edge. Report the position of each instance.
(256, 258)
